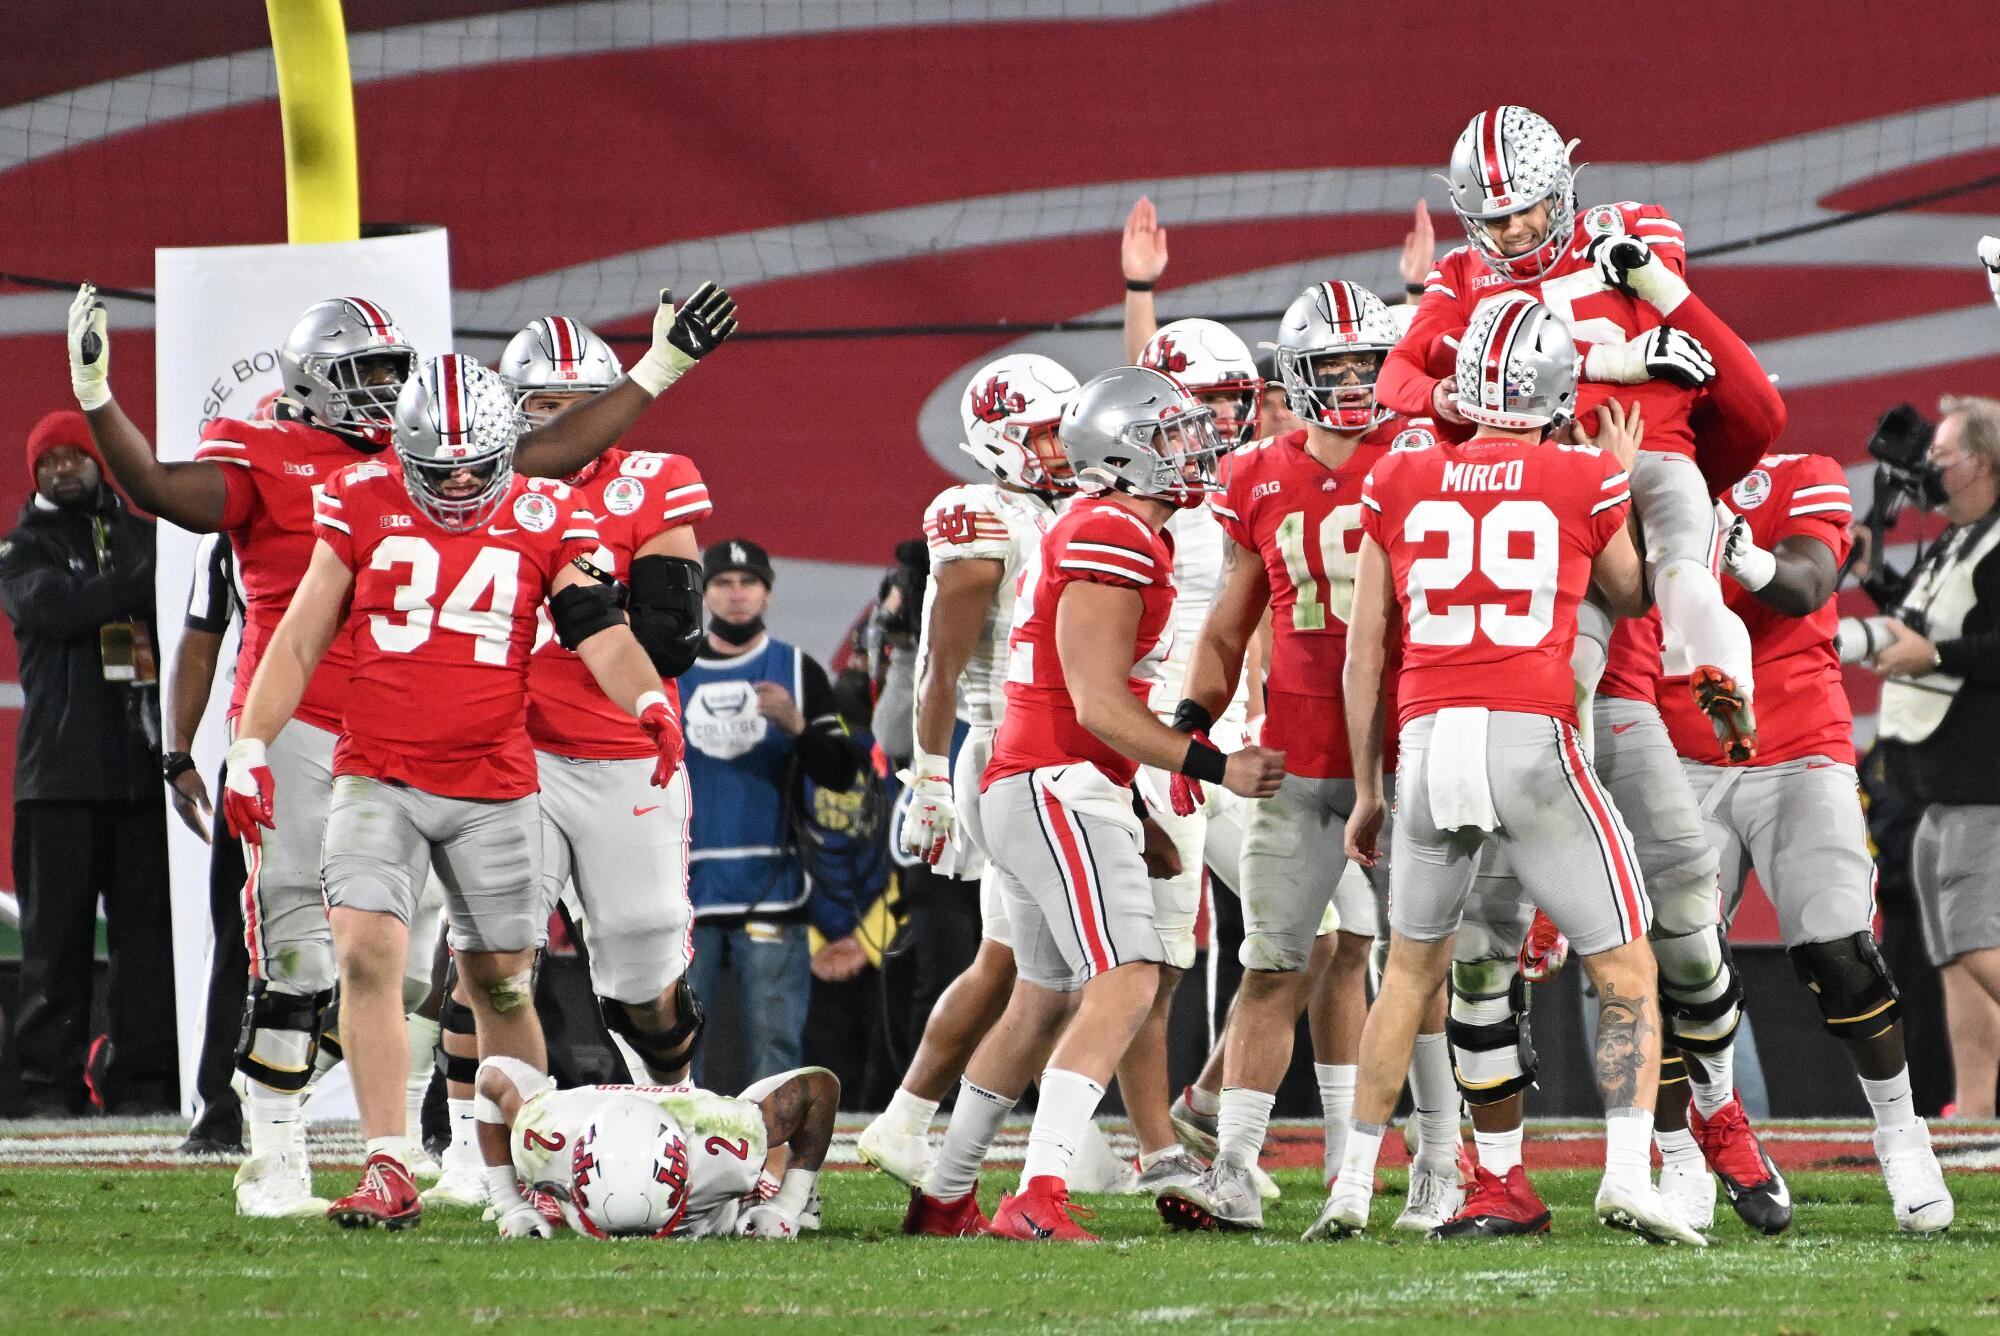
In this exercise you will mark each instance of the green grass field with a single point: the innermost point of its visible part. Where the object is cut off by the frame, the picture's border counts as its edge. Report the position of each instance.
(160, 1250)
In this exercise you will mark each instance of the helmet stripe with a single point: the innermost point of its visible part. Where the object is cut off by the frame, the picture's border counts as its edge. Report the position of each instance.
(1343, 305)
(371, 314)
(1492, 370)
(451, 395)
(568, 345)
(1492, 151)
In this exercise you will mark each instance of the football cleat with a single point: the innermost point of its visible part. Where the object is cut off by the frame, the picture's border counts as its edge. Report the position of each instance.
(1545, 950)
(277, 1186)
(1916, 1184)
(1344, 1215)
(1097, 1168)
(1225, 1198)
(1755, 1187)
(1690, 1189)
(1717, 696)
(1040, 1212)
(958, 1218)
(385, 1197)
(1497, 1208)
(1434, 1198)
(1635, 1205)
(904, 1156)
(461, 1184)
(1197, 1132)
(1175, 1169)
(423, 1165)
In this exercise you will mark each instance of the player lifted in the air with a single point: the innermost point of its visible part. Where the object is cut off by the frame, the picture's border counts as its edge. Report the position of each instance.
(1482, 552)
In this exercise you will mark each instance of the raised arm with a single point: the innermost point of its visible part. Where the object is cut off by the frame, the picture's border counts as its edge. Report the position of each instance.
(1143, 256)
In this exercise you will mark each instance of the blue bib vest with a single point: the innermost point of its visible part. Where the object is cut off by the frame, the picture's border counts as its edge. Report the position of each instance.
(741, 858)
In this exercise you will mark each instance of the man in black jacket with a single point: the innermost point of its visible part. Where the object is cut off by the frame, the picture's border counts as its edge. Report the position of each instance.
(76, 578)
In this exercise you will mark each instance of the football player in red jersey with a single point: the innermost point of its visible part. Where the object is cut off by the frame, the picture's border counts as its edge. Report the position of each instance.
(343, 364)
(1292, 512)
(1794, 813)
(439, 570)
(1057, 806)
(1488, 547)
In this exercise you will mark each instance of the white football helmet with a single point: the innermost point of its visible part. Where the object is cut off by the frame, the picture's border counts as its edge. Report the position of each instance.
(332, 359)
(1326, 323)
(628, 1171)
(557, 355)
(1517, 366)
(1509, 159)
(455, 416)
(1135, 430)
(1208, 358)
(1010, 411)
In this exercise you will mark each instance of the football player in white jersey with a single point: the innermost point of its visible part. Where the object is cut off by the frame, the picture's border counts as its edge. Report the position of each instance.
(659, 1162)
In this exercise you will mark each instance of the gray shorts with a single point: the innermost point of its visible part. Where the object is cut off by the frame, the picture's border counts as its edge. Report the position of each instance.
(382, 840)
(1676, 516)
(1799, 824)
(624, 844)
(284, 914)
(1177, 899)
(1559, 831)
(1079, 901)
(1294, 855)
(1956, 859)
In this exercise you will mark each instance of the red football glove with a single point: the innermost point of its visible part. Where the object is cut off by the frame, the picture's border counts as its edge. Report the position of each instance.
(665, 731)
(249, 794)
(1185, 795)
(1545, 951)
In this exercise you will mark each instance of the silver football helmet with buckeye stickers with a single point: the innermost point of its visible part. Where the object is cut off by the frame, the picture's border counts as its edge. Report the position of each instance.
(557, 355)
(628, 1171)
(344, 362)
(456, 428)
(1509, 159)
(1517, 366)
(1330, 335)
(1135, 430)
(1010, 410)
(1208, 358)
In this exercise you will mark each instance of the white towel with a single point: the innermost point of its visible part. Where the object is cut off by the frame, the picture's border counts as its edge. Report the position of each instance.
(1456, 771)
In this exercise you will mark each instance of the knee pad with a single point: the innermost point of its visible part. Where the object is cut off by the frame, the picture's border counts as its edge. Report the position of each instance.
(1492, 1052)
(1274, 953)
(1699, 990)
(281, 1036)
(1683, 894)
(668, 1050)
(305, 969)
(1857, 997)
(454, 1017)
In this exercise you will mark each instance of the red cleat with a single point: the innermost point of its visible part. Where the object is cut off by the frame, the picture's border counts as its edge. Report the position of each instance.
(547, 1207)
(1755, 1187)
(1544, 952)
(1496, 1208)
(955, 1219)
(385, 1197)
(1728, 709)
(1042, 1210)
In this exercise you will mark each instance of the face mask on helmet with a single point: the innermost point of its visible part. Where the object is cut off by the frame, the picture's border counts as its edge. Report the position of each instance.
(456, 429)
(1185, 453)
(1507, 162)
(1010, 411)
(1334, 389)
(1040, 443)
(365, 389)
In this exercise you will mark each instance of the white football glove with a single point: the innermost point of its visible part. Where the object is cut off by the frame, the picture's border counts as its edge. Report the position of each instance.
(522, 1221)
(1749, 565)
(932, 815)
(1989, 255)
(89, 350)
(767, 1222)
(683, 337)
(1659, 354)
(1628, 264)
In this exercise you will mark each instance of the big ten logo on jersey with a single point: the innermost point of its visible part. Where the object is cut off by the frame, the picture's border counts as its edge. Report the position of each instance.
(722, 719)
(955, 525)
(1320, 561)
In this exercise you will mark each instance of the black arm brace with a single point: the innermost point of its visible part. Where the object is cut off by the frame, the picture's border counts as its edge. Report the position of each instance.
(580, 611)
(666, 611)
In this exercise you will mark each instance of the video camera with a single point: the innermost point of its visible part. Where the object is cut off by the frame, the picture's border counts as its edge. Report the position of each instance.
(1902, 446)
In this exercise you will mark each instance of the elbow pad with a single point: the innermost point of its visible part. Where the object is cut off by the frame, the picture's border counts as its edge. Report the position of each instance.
(666, 611)
(581, 611)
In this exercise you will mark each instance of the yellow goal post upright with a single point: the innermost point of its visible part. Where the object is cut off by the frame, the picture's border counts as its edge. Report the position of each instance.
(316, 100)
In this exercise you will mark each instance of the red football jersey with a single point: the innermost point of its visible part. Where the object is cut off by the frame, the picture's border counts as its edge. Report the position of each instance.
(635, 497)
(1802, 708)
(272, 471)
(443, 623)
(1632, 659)
(1594, 312)
(1099, 541)
(1304, 521)
(1490, 545)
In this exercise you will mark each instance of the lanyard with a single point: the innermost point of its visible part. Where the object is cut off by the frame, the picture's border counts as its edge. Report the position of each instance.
(100, 537)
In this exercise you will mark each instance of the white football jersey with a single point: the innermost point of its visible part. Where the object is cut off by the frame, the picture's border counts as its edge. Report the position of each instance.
(986, 521)
(725, 1146)
(1199, 543)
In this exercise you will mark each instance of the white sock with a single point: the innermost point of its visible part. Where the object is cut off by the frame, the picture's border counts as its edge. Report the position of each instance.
(1241, 1124)
(1891, 1100)
(1336, 1105)
(1434, 1091)
(1149, 1158)
(1628, 1144)
(975, 1122)
(912, 1113)
(1678, 1147)
(1069, 1101)
(423, 1035)
(273, 1120)
(1204, 1102)
(1712, 1080)
(1499, 1152)
(464, 1134)
(396, 1148)
(1357, 1166)
(1690, 601)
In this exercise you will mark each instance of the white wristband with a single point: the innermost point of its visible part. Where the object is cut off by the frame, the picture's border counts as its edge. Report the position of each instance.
(928, 765)
(1752, 567)
(91, 394)
(795, 1193)
(1616, 363)
(245, 755)
(648, 701)
(657, 370)
(503, 1187)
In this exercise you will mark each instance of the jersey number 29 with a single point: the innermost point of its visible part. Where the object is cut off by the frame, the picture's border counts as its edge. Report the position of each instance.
(1487, 543)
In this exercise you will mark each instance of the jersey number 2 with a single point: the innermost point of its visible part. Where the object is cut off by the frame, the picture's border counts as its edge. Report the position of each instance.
(717, 1146)
(1488, 544)
(494, 578)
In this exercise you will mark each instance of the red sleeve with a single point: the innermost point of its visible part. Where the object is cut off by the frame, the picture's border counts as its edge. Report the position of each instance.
(1418, 360)
(1610, 500)
(1657, 228)
(225, 441)
(683, 496)
(1817, 505)
(576, 531)
(330, 518)
(1372, 523)
(1231, 509)
(1111, 549)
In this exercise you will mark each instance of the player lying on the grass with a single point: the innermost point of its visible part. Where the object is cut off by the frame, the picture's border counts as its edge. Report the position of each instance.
(1487, 548)
(657, 1162)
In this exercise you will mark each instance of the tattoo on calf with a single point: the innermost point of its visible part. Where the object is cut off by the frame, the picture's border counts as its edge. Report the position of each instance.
(1623, 1032)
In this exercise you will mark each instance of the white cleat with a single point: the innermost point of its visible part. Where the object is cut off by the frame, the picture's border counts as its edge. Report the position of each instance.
(277, 1185)
(1177, 1168)
(1916, 1183)
(422, 1165)
(1690, 1191)
(1223, 1198)
(1435, 1197)
(460, 1184)
(1097, 1168)
(902, 1155)
(1345, 1213)
(1637, 1207)
(1197, 1132)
